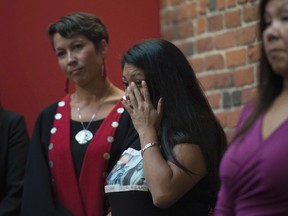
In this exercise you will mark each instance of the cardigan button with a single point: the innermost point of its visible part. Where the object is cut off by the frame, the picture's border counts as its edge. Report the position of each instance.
(106, 156)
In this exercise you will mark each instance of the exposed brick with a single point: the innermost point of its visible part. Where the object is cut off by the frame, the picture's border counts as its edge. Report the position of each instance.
(204, 44)
(233, 18)
(221, 4)
(168, 16)
(187, 10)
(236, 98)
(184, 11)
(214, 62)
(232, 117)
(227, 100)
(229, 132)
(246, 35)
(236, 57)
(215, 81)
(243, 76)
(164, 3)
(203, 6)
(198, 64)
(224, 40)
(212, 5)
(187, 48)
(254, 53)
(169, 33)
(229, 118)
(206, 82)
(230, 3)
(257, 73)
(173, 2)
(214, 100)
(201, 25)
(218, 36)
(250, 13)
(221, 119)
(223, 80)
(242, 1)
(248, 95)
(215, 22)
(186, 29)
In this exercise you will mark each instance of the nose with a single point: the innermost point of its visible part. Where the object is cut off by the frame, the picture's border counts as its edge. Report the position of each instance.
(71, 58)
(273, 30)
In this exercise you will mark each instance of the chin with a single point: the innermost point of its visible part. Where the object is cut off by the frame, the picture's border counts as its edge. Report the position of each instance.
(280, 68)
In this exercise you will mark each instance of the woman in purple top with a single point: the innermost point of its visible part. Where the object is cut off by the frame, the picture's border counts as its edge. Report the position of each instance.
(253, 172)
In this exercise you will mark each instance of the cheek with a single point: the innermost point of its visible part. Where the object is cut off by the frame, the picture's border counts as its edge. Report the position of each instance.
(62, 64)
(265, 42)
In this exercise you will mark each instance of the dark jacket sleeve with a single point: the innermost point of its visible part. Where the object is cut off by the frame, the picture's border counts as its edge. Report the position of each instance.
(37, 196)
(14, 147)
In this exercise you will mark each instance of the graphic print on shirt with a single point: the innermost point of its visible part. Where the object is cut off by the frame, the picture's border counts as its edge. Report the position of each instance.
(127, 174)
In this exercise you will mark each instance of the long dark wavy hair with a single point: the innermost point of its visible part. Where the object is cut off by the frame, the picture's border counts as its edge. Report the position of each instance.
(270, 84)
(82, 23)
(187, 116)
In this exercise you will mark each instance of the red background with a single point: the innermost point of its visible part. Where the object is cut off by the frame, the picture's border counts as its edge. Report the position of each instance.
(30, 76)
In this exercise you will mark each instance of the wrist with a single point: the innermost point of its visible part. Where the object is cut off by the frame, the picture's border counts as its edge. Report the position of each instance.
(147, 146)
(147, 135)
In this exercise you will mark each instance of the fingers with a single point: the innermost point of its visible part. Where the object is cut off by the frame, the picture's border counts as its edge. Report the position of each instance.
(146, 94)
(127, 105)
(135, 99)
(160, 107)
(136, 92)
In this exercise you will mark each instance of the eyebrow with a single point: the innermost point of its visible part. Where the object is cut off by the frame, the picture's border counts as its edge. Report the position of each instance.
(134, 74)
(279, 9)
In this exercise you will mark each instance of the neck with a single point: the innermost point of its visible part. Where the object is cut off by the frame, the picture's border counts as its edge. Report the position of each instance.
(94, 94)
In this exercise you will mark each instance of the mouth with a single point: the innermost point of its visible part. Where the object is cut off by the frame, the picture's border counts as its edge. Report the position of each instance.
(75, 71)
(275, 52)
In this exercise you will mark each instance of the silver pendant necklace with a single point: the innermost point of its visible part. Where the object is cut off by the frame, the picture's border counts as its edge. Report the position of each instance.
(84, 135)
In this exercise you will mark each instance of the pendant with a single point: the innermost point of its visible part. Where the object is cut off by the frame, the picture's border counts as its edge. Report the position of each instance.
(83, 136)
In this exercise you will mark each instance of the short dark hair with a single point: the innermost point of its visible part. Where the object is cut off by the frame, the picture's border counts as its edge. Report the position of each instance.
(81, 23)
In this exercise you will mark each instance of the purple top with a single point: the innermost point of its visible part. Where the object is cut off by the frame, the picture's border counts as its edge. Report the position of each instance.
(254, 173)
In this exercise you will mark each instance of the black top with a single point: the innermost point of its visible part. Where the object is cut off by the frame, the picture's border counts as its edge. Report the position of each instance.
(131, 198)
(38, 198)
(14, 141)
(78, 151)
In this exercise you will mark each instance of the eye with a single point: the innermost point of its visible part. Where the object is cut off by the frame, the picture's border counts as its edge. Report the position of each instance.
(78, 46)
(126, 84)
(284, 17)
(267, 23)
(138, 83)
(60, 54)
(267, 20)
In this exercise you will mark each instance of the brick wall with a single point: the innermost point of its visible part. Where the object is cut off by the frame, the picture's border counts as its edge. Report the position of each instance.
(220, 40)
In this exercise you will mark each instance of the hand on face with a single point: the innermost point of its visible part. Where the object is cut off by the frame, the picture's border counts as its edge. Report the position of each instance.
(141, 110)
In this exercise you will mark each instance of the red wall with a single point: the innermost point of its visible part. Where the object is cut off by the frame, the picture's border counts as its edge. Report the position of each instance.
(30, 77)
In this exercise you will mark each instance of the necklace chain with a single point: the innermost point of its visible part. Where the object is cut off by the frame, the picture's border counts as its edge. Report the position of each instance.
(84, 135)
(80, 117)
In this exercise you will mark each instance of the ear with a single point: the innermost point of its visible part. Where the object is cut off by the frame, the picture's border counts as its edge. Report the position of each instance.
(103, 46)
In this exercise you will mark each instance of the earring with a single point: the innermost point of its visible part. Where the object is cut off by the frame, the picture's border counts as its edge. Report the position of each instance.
(103, 74)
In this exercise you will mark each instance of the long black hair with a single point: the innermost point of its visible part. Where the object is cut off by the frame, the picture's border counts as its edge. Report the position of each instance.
(187, 116)
(270, 84)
